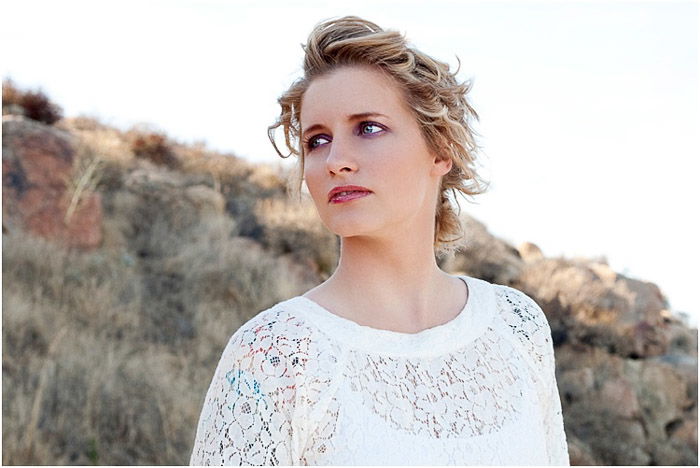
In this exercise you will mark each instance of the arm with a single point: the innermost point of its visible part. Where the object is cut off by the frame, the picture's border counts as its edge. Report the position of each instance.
(247, 414)
(557, 448)
(553, 420)
(529, 325)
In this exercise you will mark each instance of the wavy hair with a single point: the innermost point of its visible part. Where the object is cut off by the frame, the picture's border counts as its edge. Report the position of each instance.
(437, 99)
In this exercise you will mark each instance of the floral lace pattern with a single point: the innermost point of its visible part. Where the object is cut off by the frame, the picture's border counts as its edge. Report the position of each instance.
(529, 324)
(459, 395)
(295, 387)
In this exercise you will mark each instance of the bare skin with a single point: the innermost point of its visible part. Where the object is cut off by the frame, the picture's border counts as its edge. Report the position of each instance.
(387, 277)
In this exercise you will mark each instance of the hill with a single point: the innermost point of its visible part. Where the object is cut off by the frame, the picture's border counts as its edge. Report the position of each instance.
(129, 259)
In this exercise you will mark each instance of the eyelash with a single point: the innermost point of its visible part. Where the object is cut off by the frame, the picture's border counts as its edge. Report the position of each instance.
(310, 139)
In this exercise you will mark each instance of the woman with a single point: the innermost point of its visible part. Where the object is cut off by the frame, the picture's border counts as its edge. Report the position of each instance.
(391, 361)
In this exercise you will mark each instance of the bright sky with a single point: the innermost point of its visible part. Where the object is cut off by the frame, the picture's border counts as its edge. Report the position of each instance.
(589, 110)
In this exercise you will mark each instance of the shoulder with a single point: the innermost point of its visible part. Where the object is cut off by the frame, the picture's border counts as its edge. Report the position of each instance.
(276, 330)
(255, 394)
(279, 321)
(280, 343)
(526, 322)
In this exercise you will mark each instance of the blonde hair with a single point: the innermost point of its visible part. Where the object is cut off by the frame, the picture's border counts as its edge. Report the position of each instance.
(437, 99)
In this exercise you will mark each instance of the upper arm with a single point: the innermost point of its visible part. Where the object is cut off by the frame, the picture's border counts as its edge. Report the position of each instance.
(247, 414)
(529, 323)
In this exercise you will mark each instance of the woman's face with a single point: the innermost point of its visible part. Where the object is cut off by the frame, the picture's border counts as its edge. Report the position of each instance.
(357, 129)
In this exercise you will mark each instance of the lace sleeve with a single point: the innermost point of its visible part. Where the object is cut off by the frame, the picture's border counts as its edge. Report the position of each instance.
(527, 320)
(247, 414)
(557, 450)
(557, 447)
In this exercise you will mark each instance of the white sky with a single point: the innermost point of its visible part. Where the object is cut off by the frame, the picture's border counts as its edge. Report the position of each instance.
(589, 110)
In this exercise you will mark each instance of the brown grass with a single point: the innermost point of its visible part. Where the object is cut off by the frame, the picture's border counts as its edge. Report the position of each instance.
(106, 360)
(107, 355)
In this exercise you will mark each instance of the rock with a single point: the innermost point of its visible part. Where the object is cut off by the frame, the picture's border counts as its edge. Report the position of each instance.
(485, 256)
(604, 272)
(686, 432)
(529, 252)
(580, 454)
(598, 307)
(663, 395)
(619, 397)
(626, 367)
(626, 411)
(575, 384)
(37, 160)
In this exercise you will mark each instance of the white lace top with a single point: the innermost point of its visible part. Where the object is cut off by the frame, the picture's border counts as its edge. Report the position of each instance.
(299, 385)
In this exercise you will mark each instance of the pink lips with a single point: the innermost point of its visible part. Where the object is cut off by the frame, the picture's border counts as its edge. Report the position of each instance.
(357, 191)
(348, 197)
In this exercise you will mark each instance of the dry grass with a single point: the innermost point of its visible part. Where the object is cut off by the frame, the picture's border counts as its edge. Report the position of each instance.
(107, 354)
(108, 143)
(107, 361)
(86, 173)
(295, 228)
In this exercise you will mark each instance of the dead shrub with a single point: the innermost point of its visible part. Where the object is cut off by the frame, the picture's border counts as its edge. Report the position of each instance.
(32, 104)
(154, 147)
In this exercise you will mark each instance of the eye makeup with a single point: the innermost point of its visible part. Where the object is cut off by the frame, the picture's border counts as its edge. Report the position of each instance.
(310, 142)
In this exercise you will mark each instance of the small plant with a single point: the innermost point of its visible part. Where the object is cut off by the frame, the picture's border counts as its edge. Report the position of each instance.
(92, 453)
(33, 104)
(154, 147)
(84, 178)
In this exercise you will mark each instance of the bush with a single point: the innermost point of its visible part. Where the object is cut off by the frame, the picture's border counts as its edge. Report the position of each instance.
(32, 104)
(154, 147)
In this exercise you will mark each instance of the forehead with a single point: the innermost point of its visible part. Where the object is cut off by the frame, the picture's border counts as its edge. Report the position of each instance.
(350, 90)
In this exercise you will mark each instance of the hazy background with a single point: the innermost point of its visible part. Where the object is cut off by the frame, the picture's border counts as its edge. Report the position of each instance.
(589, 110)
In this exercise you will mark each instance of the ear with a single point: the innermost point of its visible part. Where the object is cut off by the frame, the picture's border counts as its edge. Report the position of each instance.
(441, 166)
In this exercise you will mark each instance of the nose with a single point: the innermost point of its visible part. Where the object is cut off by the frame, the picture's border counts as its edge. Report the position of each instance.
(340, 156)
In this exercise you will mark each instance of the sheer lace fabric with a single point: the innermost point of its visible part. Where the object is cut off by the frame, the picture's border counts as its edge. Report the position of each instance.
(298, 385)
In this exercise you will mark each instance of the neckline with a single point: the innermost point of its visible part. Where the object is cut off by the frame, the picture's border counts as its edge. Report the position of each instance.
(465, 326)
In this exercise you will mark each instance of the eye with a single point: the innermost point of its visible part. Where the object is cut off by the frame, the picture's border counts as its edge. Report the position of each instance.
(370, 128)
(315, 141)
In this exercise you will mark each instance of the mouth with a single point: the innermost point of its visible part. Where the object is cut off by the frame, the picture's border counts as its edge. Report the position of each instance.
(349, 195)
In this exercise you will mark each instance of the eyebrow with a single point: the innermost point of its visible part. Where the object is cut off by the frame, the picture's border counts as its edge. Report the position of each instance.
(349, 118)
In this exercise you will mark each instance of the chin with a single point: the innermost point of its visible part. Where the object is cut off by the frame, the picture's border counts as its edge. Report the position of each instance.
(346, 228)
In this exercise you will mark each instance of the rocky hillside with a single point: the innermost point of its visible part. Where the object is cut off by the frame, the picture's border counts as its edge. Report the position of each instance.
(129, 259)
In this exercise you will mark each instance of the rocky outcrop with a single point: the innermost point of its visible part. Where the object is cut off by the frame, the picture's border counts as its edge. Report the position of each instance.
(627, 411)
(37, 167)
(485, 256)
(626, 366)
(589, 303)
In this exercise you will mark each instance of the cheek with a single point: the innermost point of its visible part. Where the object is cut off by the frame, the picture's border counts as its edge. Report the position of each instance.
(313, 180)
(403, 165)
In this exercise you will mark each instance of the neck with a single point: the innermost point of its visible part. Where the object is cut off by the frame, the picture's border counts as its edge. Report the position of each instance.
(397, 276)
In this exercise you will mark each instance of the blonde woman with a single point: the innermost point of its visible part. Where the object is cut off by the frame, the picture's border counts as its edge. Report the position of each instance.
(391, 361)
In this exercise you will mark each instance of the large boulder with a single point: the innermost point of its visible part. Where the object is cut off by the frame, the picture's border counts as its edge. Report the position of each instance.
(625, 411)
(37, 165)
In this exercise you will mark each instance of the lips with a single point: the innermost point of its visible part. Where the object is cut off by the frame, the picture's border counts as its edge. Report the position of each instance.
(352, 191)
(347, 196)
